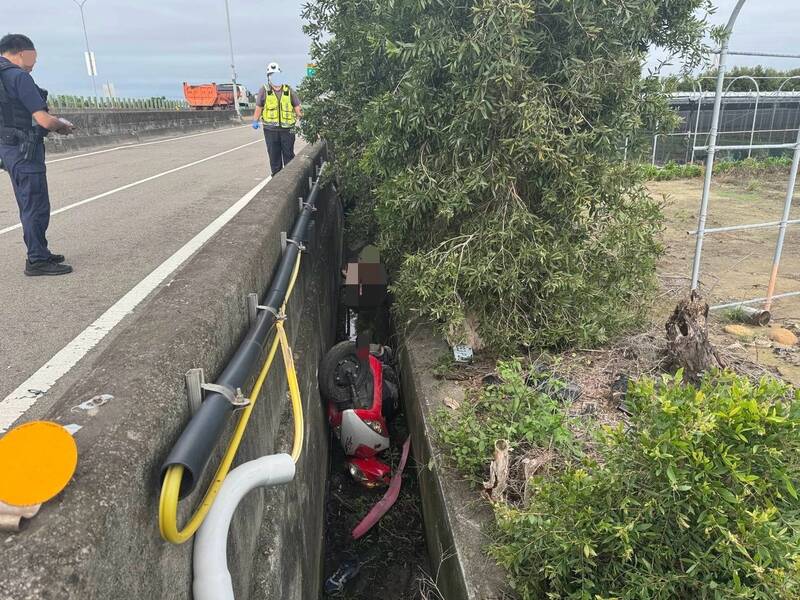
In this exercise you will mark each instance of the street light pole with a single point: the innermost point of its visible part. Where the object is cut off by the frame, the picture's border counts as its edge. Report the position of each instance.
(90, 62)
(233, 67)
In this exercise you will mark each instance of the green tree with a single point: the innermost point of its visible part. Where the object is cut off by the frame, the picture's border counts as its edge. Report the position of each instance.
(479, 143)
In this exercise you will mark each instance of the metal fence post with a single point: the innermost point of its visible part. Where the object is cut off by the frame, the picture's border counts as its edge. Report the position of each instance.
(697, 116)
(655, 145)
(787, 208)
(712, 146)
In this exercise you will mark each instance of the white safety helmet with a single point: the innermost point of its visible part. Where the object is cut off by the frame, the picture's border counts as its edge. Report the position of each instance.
(272, 68)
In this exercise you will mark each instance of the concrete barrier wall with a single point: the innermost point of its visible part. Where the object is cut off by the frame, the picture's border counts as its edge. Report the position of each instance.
(455, 515)
(99, 539)
(101, 127)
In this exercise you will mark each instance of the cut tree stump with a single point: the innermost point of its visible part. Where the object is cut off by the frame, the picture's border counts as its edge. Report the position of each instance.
(495, 488)
(687, 337)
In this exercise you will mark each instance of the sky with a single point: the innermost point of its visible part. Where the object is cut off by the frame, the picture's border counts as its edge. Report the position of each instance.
(763, 26)
(148, 48)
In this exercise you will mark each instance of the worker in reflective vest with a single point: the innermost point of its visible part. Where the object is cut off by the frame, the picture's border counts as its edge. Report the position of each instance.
(278, 108)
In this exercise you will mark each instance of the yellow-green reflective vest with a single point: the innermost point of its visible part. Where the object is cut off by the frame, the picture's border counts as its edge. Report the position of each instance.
(278, 113)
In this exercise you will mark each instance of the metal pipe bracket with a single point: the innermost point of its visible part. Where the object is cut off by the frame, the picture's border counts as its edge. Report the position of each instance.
(235, 397)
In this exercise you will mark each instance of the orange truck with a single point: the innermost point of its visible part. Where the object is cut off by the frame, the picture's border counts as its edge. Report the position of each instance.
(212, 96)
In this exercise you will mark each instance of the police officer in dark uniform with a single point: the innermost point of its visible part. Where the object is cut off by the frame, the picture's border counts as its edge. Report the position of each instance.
(24, 123)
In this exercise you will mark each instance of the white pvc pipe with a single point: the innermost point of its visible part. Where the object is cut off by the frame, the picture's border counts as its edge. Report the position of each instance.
(212, 580)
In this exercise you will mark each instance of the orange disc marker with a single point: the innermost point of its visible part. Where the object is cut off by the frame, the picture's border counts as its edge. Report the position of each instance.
(37, 461)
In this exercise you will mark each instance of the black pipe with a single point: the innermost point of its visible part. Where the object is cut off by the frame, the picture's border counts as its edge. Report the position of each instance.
(198, 440)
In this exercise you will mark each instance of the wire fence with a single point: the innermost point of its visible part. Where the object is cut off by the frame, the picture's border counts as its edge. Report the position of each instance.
(762, 139)
(61, 102)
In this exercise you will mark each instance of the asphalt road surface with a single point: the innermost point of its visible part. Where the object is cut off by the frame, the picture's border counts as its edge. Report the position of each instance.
(119, 214)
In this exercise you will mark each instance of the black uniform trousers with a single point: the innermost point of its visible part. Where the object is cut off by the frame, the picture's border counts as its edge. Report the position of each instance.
(29, 180)
(280, 147)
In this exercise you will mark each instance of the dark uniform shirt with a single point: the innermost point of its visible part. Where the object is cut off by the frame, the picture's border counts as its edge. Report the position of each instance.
(20, 86)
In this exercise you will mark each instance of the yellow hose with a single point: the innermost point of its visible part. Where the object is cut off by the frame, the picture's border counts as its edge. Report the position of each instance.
(170, 489)
(294, 393)
(291, 374)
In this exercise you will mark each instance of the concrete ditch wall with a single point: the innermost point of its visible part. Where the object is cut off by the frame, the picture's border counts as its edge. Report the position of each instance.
(99, 539)
(453, 512)
(101, 127)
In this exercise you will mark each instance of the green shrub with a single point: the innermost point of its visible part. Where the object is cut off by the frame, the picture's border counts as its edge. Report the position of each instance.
(513, 410)
(737, 314)
(697, 500)
(672, 171)
(751, 167)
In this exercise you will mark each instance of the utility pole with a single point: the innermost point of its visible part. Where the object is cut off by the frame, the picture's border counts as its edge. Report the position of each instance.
(233, 66)
(90, 64)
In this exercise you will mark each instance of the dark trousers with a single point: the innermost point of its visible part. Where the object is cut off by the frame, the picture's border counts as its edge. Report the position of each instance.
(29, 180)
(280, 147)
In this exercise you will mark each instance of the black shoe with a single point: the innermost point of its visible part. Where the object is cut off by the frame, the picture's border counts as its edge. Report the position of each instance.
(56, 258)
(45, 267)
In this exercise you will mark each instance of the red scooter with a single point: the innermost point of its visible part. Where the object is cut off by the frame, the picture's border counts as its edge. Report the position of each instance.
(359, 383)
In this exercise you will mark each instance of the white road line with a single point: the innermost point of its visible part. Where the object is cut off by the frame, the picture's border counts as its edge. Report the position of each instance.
(138, 145)
(135, 183)
(13, 406)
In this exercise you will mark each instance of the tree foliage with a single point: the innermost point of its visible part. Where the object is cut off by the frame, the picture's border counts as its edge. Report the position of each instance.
(478, 141)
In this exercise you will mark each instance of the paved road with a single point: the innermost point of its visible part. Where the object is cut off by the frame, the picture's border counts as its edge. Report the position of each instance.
(124, 213)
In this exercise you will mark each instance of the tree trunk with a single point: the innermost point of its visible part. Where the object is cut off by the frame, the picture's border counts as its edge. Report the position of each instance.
(687, 334)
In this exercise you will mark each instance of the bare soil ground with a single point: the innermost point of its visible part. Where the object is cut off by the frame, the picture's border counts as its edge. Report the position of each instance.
(735, 266)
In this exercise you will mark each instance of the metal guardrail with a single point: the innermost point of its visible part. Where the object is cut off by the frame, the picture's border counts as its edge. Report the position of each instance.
(67, 102)
(62, 102)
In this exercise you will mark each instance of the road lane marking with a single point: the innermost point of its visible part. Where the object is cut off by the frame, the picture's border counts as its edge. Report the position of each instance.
(13, 406)
(138, 145)
(135, 183)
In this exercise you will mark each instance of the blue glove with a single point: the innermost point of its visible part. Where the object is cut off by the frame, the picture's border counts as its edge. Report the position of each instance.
(255, 124)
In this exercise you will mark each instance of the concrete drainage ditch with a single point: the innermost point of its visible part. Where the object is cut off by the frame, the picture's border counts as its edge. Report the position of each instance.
(391, 561)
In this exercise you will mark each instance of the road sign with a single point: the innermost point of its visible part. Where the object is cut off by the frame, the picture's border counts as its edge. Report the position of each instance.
(91, 66)
(311, 69)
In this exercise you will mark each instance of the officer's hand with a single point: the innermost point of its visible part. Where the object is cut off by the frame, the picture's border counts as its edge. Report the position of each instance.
(255, 124)
(66, 127)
